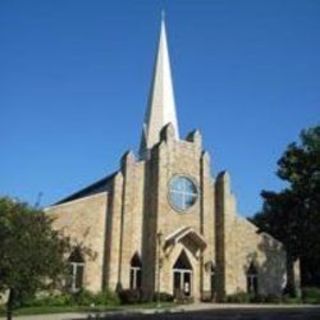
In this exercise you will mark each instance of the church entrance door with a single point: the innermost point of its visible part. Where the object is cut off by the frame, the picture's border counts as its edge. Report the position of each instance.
(182, 277)
(182, 282)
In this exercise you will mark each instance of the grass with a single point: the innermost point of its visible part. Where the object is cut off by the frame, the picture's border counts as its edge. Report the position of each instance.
(80, 309)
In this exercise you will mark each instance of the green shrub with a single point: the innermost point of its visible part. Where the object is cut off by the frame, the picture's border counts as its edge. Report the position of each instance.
(63, 299)
(54, 300)
(130, 296)
(164, 297)
(311, 295)
(257, 298)
(2, 309)
(106, 297)
(239, 297)
(289, 300)
(272, 298)
(83, 298)
(80, 298)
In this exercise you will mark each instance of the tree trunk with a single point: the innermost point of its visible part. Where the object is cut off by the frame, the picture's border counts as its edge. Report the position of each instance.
(10, 304)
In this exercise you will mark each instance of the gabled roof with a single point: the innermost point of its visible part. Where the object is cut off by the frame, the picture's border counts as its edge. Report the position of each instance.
(96, 187)
(186, 232)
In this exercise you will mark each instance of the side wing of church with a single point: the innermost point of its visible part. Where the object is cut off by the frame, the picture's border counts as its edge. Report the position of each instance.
(163, 222)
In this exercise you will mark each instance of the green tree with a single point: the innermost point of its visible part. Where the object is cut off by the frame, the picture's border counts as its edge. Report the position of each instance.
(293, 214)
(32, 253)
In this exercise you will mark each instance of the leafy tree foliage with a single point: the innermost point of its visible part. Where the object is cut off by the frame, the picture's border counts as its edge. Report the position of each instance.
(293, 214)
(32, 253)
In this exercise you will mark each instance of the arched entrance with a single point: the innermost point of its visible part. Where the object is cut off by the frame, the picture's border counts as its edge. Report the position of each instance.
(182, 276)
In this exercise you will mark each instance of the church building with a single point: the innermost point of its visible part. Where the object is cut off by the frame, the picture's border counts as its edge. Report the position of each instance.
(163, 222)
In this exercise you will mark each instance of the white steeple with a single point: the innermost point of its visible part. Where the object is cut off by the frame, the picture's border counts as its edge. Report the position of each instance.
(161, 108)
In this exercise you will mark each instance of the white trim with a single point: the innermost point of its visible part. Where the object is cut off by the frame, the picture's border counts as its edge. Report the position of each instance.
(174, 233)
(135, 277)
(182, 270)
(182, 273)
(75, 266)
(196, 195)
(179, 234)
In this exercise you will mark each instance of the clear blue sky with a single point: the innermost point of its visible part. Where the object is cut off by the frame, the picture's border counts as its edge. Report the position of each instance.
(74, 79)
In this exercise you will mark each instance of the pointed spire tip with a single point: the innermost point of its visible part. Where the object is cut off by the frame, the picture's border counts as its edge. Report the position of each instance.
(161, 108)
(163, 15)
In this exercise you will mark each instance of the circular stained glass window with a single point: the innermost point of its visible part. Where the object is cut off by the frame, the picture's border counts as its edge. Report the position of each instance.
(183, 193)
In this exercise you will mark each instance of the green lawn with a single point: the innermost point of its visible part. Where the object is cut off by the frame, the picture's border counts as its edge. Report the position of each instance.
(67, 309)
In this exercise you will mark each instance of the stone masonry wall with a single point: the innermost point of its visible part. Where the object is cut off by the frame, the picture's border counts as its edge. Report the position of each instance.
(240, 244)
(265, 251)
(84, 221)
(172, 157)
(133, 197)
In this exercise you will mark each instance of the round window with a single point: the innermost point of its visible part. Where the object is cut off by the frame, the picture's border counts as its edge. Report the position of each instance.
(183, 193)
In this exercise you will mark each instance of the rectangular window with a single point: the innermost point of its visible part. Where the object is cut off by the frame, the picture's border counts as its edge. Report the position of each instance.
(252, 283)
(135, 277)
(76, 276)
(131, 279)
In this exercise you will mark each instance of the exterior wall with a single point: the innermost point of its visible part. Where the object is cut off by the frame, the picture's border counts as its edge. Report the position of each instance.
(207, 225)
(133, 203)
(114, 233)
(265, 251)
(149, 236)
(84, 221)
(239, 244)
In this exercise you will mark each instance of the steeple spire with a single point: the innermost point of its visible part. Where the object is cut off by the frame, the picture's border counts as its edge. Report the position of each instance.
(161, 108)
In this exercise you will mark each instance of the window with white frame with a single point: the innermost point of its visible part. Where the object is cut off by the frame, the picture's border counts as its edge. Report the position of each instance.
(183, 193)
(76, 270)
(135, 272)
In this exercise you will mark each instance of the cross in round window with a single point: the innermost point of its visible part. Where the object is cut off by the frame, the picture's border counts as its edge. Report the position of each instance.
(183, 193)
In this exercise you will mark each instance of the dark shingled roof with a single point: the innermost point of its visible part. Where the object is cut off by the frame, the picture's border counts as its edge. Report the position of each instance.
(97, 187)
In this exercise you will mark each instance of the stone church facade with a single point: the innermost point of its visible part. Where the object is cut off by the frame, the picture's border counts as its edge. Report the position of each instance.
(163, 221)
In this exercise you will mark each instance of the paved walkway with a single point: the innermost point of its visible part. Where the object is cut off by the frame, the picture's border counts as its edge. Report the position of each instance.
(180, 308)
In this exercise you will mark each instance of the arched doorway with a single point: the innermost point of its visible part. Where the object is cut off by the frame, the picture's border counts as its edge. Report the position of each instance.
(182, 276)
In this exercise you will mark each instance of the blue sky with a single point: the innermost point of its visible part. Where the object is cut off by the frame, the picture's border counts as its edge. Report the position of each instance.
(75, 75)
